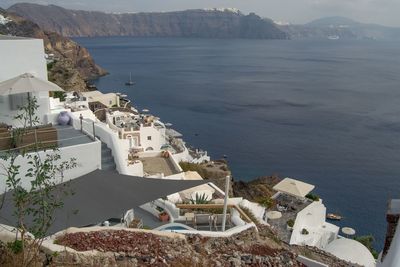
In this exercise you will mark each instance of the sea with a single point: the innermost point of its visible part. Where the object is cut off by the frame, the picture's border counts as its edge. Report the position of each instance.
(326, 112)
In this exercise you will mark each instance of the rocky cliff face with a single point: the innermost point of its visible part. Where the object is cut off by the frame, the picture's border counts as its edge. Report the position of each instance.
(72, 64)
(190, 23)
(342, 28)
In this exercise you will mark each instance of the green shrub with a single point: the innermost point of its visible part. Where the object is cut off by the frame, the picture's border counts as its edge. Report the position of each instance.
(304, 231)
(16, 246)
(313, 197)
(368, 241)
(265, 202)
(249, 214)
(290, 223)
(60, 95)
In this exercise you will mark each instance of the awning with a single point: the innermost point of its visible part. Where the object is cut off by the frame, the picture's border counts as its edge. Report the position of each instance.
(294, 187)
(100, 195)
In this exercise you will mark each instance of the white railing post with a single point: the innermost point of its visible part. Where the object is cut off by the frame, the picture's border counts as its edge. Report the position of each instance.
(94, 132)
(227, 180)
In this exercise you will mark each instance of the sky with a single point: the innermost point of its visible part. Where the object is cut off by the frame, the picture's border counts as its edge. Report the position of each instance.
(383, 12)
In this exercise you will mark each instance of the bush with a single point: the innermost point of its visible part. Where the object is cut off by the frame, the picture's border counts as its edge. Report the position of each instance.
(249, 214)
(313, 197)
(60, 95)
(368, 241)
(200, 199)
(290, 223)
(304, 231)
(15, 246)
(265, 202)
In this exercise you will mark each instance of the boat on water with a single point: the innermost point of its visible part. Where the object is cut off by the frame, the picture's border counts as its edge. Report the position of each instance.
(333, 37)
(130, 83)
(334, 217)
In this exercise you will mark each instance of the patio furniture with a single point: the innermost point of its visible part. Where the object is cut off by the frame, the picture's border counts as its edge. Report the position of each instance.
(218, 218)
(202, 220)
(189, 217)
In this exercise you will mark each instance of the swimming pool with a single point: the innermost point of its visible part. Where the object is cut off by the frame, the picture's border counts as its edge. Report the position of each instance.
(174, 227)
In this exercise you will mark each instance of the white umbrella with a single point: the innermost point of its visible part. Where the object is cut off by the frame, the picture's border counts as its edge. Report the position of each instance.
(294, 187)
(348, 231)
(27, 83)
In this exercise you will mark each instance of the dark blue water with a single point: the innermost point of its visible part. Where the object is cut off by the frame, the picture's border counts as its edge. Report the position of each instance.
(324, 112)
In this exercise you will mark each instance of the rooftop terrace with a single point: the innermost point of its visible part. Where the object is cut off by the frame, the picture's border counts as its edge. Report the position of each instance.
(156, 165)
(292, 205)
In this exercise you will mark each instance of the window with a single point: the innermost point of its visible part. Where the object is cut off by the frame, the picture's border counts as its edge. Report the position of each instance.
(149, 137)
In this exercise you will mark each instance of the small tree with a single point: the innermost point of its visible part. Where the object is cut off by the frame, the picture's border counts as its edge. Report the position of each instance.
(33, 191)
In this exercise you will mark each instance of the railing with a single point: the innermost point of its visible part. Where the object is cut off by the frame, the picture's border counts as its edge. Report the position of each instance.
(107, 136)
(28, 138)
(214, 206)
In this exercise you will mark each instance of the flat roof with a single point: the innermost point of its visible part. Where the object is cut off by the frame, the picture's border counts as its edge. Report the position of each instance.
(10, 37)
(155, 165)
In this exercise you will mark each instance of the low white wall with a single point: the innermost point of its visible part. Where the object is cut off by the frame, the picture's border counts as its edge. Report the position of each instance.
(255, 208)
(227, 233)
(109, 137)
(88, 158)
(309, 262)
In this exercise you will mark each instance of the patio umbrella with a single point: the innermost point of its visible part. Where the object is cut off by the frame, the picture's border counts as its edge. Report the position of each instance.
(348, 231)
(27, 83)
(294, 187)
(272, 215)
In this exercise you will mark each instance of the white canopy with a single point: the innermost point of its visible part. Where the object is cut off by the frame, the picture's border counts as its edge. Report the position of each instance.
(294, 187)
(348, 231)
(26, 83)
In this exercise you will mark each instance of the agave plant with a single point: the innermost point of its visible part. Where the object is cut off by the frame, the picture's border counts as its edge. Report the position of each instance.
(200, 199)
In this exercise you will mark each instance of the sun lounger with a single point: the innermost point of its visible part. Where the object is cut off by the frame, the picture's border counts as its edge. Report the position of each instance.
(202, 220)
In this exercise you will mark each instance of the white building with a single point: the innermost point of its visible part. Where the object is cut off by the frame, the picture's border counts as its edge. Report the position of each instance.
(25, 55)
(18, 56)
(319, 232)
(108, 100)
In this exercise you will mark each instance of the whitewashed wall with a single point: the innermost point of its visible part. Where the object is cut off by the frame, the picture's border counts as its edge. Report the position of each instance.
(157, 137)
(88, 158)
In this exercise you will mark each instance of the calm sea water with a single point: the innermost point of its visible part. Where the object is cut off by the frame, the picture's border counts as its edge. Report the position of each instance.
(326, 112)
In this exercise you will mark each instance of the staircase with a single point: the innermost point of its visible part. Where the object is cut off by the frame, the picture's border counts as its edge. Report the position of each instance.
(107, 159)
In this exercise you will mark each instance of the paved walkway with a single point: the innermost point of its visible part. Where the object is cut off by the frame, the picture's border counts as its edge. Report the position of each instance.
(68, 136)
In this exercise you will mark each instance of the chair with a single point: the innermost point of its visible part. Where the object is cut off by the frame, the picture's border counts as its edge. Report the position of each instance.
(218, 218)
(202, 220)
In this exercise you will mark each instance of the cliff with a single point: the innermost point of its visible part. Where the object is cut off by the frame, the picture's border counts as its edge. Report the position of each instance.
(72, 65)
(341, 27)
(189, 23)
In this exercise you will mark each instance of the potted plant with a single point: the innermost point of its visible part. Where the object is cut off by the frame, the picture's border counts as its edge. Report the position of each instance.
(163, 216)
(304, 231)
(290, 224)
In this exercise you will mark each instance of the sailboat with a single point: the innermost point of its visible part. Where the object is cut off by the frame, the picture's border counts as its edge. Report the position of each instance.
(130, 83)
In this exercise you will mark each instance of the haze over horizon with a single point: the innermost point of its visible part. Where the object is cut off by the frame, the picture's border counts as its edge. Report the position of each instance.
(382, 12)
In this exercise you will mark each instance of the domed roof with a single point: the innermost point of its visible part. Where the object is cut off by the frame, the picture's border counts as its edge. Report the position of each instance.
(352, 251)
